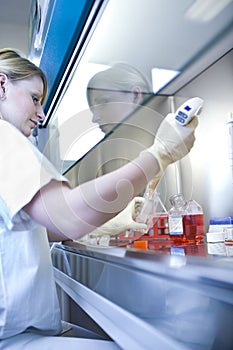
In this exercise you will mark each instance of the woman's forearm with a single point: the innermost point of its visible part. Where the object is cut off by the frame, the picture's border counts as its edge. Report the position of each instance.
(76, 212)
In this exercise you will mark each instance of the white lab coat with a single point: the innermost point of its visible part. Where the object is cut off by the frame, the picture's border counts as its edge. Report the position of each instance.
(28, 297)
(29, 309)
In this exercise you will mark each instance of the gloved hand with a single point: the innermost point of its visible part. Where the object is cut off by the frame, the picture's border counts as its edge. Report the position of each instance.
(172, 142)
(123, 221)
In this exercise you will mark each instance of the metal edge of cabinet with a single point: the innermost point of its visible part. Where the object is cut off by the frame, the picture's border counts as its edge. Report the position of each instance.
(68, 30)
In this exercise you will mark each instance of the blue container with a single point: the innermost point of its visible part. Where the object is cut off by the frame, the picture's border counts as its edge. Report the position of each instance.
(227, 220)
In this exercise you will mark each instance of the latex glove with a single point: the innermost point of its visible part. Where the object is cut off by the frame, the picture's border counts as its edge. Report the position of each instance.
(172, 142)
(123, 221)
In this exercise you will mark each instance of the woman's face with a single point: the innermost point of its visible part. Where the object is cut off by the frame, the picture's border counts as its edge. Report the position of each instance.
(109, 107)
(22, 103)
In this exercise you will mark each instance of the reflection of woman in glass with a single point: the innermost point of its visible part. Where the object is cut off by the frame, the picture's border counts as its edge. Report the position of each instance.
(114, 93)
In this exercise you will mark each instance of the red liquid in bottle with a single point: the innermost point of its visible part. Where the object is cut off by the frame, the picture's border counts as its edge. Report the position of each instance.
(194, 229)
(186, 221)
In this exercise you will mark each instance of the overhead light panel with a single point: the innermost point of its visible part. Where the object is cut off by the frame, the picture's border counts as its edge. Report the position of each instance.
(206, 10)
(161, 77)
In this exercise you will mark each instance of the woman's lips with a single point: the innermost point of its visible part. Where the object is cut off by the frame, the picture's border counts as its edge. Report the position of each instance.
(34, 122)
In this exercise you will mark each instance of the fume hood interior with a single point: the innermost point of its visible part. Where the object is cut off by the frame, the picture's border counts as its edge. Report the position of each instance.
(182, 50)
(186, 47)
(169, 44)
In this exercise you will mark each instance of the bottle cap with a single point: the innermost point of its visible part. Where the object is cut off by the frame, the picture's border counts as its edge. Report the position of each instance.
(178, 200)
(143, 244)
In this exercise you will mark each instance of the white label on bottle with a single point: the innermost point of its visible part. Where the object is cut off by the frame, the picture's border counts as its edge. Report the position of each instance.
(176, 225)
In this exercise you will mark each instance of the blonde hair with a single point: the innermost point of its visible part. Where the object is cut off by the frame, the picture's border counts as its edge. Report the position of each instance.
(16, 66)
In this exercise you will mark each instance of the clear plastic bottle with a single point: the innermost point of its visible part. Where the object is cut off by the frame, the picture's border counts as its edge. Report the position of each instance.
(186, 220)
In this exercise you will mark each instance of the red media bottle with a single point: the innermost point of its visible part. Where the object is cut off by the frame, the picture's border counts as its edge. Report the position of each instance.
(186, 221)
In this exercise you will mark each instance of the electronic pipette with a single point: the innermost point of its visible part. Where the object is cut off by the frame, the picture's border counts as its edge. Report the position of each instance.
(188, 109)
(183, 116)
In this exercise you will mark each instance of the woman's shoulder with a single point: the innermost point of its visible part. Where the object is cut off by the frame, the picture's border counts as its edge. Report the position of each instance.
(8, 132)
(5, 126)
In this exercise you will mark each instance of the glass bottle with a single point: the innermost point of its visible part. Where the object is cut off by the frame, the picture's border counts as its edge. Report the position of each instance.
(175, 218)
(160, 229)
(193, 222)
(155, 215)
(186, 220)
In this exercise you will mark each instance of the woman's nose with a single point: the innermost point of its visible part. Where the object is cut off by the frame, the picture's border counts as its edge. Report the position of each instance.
(40, 113)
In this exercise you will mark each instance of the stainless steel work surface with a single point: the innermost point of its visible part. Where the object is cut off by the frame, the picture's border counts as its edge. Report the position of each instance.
(148, 300)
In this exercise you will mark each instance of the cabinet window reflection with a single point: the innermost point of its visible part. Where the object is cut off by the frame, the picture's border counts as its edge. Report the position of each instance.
(115, 93)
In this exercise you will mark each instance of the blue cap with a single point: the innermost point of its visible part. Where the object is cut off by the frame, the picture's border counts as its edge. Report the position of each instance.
(227, 220)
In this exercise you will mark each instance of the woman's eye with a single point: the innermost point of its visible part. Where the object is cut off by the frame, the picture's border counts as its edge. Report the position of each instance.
(35, 99)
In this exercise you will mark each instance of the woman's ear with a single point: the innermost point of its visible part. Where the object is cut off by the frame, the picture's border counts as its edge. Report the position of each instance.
(137, 95)
(3, 82)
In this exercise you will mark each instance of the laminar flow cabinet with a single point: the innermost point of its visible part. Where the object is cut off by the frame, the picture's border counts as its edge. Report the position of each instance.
(142, 300)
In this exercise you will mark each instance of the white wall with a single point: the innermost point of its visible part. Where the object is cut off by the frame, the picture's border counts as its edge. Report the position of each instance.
(14, 36)
(211, 172)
